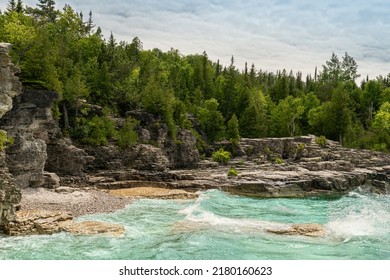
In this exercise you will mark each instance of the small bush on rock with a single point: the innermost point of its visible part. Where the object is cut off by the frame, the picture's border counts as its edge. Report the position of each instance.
(321, 141)
(221, 156)
(232, 173)
(5, 141)
(279, 161)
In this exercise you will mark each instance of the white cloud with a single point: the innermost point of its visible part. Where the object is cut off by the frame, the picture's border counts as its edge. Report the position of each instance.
(291, 34)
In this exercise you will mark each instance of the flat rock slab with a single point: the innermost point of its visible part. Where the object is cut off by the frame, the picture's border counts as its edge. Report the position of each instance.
(48, 222)
(93, 228)
(37, 222)
(150, 192)
(312, 230)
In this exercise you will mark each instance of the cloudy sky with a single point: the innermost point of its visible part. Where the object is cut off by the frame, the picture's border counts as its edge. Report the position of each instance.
(290, 34)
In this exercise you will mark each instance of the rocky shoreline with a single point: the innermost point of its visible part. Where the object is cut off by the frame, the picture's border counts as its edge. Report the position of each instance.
(306, 169)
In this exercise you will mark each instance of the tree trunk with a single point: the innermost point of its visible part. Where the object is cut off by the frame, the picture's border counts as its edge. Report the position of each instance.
(341, 139)
(66, 118)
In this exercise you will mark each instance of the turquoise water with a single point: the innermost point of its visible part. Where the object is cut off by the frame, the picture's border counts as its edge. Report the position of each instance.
(222, 226)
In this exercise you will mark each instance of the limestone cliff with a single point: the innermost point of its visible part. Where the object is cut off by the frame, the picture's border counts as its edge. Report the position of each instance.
(39, 145)
(155, 152)
(9, 83)
(9, 88)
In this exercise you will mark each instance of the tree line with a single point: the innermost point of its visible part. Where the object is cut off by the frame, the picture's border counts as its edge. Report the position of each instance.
(64, 51)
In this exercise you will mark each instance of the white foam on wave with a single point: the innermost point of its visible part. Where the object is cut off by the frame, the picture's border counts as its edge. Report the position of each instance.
(199, 218)
(366, 222)
(196, 206)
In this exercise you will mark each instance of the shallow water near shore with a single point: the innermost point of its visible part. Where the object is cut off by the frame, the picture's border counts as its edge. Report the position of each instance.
(221, 226)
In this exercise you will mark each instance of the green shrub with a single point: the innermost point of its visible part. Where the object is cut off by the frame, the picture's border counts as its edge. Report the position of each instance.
(221, 156)
(126, 136)
(267, 151)
(232, 172)
(301, 147)
(5, 141)
(279, 161)
(96, 131)
(382, 147)
(321, 141)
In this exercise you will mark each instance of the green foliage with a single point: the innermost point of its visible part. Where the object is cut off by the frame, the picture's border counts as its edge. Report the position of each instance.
(158, 99)
(285, 116)
(211, 120)
(96, 131)
(382, 118)
(233, 132)
(180, 114)
(279, 161)
(321, 141)
(126, 136)
(5, 141)
(221, 156)
(232, 172)
(253, 122)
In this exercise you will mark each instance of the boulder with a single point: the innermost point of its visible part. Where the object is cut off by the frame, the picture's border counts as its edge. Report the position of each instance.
(36, 222)
(64, 158)
(146, 157)
(182, 152)
(32, 222)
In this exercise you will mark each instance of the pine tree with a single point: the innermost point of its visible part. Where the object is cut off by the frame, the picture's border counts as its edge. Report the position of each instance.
(11, 6)
(349, 68)
(331, 71)
(47, 10)
(19, 6)
(90, 24)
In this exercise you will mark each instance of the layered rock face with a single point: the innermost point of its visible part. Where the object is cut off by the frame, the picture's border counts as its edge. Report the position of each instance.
(9, 83)
(156, 151)
(9, 194)
(38, 142)
(9, 88)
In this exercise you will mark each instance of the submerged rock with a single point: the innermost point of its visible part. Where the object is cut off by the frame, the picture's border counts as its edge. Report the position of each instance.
(312, 230)
(93, 227)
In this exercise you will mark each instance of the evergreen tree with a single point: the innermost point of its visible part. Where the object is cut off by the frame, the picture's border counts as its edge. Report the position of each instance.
(233, 132)
(46, 11)
(90, 24)
(19, 6)
(11, 6)
(253, 122)
(331, 71)
(349, 68)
